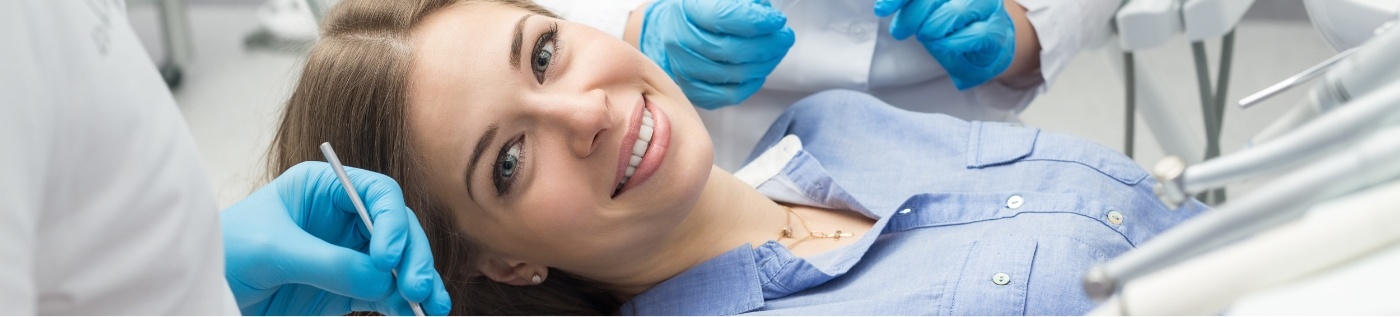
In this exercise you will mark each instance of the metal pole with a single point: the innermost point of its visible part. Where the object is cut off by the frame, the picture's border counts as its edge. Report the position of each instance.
(1222, 85)
(1130, 93)
(1198, 50)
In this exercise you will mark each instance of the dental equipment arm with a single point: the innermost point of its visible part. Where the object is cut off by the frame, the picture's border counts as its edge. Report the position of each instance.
(1364, 164)
(1331, 234)
(1352, 75)
(1176, 181)
(1146, 24)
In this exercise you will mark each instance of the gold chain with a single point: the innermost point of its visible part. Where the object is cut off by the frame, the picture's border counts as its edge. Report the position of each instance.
(786, 233)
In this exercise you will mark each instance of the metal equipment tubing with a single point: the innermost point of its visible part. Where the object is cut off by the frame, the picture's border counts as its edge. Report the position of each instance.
(1364, 164)
(1304, 144)
(1331, 234)
(1167, 121)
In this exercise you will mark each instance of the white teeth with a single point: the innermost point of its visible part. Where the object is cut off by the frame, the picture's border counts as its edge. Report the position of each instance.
(639, 149)
(645, 134)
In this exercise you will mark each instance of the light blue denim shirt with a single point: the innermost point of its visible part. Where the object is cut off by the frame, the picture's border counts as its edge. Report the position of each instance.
(973, 218)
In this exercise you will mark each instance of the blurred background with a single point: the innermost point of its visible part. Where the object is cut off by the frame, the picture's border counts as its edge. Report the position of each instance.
(244, 58)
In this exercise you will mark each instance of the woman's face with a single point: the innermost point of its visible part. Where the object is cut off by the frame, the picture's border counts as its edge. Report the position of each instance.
(528, 124)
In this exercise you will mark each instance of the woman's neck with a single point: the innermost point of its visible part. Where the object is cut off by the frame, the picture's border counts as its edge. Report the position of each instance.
(730, 213)
(727, 215)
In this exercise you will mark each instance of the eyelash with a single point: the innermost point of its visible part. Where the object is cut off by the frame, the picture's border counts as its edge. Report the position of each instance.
(549, 37)
(504, 182)
(499, 178)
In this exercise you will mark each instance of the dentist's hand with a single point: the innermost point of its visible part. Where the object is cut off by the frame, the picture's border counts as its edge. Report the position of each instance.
(974, 40)
(298, 247)
(718, 51)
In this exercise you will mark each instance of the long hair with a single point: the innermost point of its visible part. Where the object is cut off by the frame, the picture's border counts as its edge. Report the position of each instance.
(353, 92)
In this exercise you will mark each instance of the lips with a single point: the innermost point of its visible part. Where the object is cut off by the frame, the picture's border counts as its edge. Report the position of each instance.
(643, 147)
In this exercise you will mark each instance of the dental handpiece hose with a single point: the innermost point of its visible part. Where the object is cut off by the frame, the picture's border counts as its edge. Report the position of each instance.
(359, 205)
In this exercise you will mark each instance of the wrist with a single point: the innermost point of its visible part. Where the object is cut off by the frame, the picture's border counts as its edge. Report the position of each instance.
(632, 33)
(1026, 59)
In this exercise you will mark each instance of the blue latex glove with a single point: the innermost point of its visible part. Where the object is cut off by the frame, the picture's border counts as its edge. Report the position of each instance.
(298, 247)
(718, 51)
(974, 40)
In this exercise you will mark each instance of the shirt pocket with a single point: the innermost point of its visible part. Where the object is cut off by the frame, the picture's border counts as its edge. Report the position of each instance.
(998, 143)
(1024, 275)
(994, 278)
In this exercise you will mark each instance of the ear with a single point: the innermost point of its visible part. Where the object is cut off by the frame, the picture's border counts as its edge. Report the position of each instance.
(513, 272)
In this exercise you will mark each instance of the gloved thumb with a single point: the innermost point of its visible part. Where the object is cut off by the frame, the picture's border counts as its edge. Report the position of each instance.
(311, 261)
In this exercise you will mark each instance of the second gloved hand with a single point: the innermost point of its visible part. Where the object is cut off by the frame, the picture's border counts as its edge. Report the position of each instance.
(974, 40)
(298, 247)
(718, 51)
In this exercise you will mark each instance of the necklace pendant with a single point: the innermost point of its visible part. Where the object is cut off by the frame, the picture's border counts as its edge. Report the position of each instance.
(786, 233)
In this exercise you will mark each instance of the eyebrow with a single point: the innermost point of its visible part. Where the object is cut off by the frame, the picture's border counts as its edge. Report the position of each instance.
(515, 41)
(481, 144)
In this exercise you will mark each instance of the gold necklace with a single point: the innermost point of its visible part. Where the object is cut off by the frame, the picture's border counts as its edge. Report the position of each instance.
(786, 233)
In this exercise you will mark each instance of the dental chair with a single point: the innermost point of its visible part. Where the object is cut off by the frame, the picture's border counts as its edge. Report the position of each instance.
(1325, 225)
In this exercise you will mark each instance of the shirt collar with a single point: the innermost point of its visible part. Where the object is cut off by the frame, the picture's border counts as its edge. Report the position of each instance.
(739, 280)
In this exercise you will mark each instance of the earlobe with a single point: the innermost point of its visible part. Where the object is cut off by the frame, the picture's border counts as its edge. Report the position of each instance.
(515, 273)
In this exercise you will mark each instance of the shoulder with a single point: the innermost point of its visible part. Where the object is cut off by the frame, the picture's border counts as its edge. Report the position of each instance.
(837, 117)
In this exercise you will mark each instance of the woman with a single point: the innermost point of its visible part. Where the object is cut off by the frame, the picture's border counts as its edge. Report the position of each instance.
(557, 170)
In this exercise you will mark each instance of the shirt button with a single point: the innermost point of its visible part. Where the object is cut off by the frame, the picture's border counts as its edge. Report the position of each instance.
(905, 211)
(1014, 202)
(1115, 217)
(1001, 279)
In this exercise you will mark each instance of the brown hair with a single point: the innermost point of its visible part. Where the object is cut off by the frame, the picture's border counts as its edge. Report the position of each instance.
(353, 92)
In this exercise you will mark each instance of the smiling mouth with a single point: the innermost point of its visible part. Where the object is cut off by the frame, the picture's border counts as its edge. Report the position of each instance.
(639, 149)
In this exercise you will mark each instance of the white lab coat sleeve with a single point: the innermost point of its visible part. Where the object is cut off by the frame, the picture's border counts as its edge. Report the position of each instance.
(20, 178)
(610, 16)
(1064, 28)
(105, 208)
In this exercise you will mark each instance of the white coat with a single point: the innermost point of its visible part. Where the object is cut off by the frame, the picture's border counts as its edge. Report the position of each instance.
(104, 205)
(842, 44)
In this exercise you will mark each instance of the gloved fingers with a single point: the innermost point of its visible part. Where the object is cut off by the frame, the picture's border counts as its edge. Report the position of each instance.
(912, 17)
(418, 278)
(383, 200)
(955, 16)
(975, 56)
(735, 50)
(695, 68)
(982, 45)
(438, 303)
(884, 8)
(717, 96)
(311, 261)
(741, 18)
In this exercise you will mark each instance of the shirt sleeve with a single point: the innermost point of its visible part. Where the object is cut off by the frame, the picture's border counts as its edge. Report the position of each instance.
(610, 16)
(1064, 28)
(25, 132)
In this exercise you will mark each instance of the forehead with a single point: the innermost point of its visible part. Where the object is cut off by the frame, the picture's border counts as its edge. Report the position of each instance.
(461, 45)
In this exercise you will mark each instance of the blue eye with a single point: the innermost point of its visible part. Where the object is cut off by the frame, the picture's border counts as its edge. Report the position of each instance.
(507, 165)
(543, 55)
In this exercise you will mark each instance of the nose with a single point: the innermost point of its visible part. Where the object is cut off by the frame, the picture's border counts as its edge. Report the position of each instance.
(581, 120)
